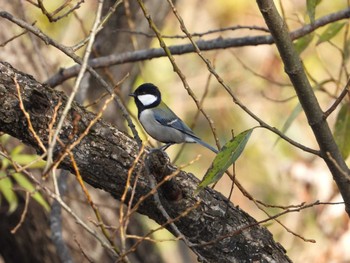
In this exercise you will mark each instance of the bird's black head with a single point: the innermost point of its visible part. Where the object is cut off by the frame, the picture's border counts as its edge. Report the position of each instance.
(146, 96)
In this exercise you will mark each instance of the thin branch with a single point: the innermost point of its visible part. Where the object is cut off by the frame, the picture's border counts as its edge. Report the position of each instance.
(230, 92)
(287, 211)
(93, 206)
(195, 118)
(70, 53)
(168, 222)
(56, 197)
(40, 63)
(23, 215)
(13, 38)
(259, 204)
(203, 45)
(99, 28)
(104, 158)
(26, 114)
(123, 220)
(199, 34)
(338, 100)
(51, 17)
(315, 116)
(82, 250)
(70, 147)
(76, 86)
(246, 67)
(175, 66)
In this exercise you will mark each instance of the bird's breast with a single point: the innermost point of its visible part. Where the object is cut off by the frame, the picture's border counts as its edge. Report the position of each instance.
(160, 132)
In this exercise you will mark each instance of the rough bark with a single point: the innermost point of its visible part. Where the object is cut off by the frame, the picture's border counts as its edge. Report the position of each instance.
(113, 39)
(104, 157)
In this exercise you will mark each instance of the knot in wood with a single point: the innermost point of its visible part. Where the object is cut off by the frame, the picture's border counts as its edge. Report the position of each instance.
(38, 103)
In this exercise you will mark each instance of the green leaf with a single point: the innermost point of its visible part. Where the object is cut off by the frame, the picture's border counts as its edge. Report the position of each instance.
(24, 159)
(297, 109)
(5, 163)
(7, 191)
(331, 31)
(4, 139)
(26, 184)
(311, 8)
(17, 150)
(302, 43)
(346, 48)
(342, 130)
(224, 159)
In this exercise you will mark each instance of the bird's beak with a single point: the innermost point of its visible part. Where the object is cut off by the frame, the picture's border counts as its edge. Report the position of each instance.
(132, 95)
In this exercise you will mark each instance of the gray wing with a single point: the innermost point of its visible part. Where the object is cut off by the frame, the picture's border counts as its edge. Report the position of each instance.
(171, 120)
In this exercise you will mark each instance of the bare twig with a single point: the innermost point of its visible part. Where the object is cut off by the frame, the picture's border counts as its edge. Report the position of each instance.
(194, 119)
(292, 210)
(70, 53)
(40, 62)
(76, 86)
(70, 147)
(338, 100)
(26, 114)
(204, 45)
(168, 222)
(123, 220)
(82, 250)
(259, 204)
(51, 16)
(229, 90)
(174, 228)
(93, 206)
(23, 215)
(100, 26)
(307, 98)
(281, 84)
(175, 66)
(56, 197)
(199, 34)
(13, 38)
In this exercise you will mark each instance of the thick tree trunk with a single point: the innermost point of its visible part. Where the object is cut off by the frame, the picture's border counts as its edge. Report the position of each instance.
(104, 158)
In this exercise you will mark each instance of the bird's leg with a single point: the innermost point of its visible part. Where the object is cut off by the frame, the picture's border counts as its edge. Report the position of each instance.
(166, 146)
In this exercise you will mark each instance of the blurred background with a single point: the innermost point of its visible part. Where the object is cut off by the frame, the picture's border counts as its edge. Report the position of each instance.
(270, 169)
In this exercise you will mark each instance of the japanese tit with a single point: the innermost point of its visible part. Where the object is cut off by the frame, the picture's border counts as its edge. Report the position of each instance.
(159, 121)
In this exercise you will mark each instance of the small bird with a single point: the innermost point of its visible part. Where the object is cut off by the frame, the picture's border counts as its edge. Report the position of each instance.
(159, 121)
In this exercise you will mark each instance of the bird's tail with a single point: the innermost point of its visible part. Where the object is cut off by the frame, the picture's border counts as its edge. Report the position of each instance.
(197, 140)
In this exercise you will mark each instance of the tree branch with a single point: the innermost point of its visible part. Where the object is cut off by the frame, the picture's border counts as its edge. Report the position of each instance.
(307, 98)
(104, 158)
(70, 53)
(204, 45)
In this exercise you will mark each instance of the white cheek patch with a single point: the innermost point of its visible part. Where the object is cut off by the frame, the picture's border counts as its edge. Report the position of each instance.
(147, 99)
